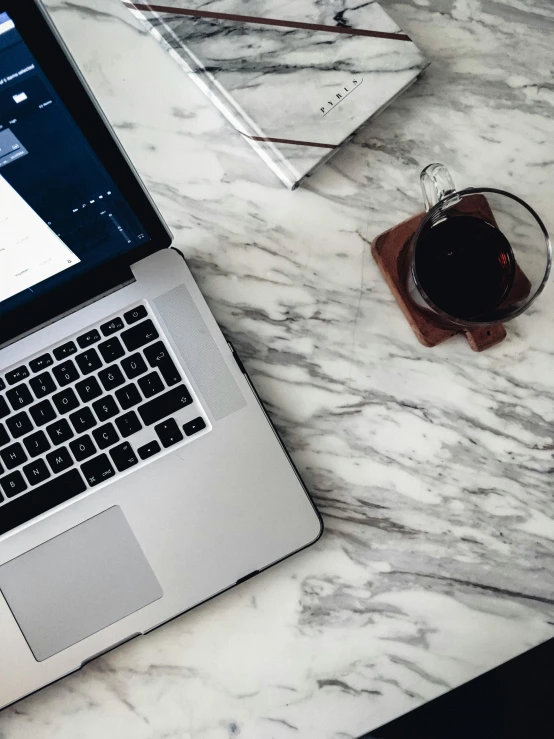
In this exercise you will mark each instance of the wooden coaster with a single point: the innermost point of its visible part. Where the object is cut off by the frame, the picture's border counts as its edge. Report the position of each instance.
(390, 251)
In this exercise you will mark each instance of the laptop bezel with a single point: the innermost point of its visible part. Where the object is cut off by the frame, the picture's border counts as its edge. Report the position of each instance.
(46, 45)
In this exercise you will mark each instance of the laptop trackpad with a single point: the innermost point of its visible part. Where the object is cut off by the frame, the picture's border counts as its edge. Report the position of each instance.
(78, 583)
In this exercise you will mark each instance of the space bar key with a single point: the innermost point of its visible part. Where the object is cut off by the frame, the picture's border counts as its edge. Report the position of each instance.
(41, 499)
(164, 405)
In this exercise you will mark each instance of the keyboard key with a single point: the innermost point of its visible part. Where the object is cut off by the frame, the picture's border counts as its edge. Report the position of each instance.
(16, 375)
(2, 384)
(151, 385)
(19, 397)
(134, 366)
(141, 334)
(97, 470)
(65, 373)
(105, 436)
(82, 448)
(41, 499)
(42, 412)
(111, 349)
(19, 425)
(88, 361)
(169, 433)
(128, 396)
(164, 405)
(13, 456)
(42, 384)
(105, 408)
(40, 363)
(128, 424)
(136, 314)
(88, 389)
(148, 450)
(109, 328)
(4, 438)
(111, 377)
(65, 401)
(91, 337)
(82, 420)
(36, 472)
(193, 427)
(59, 431)
(4, 408)
(12, 484)
(158, 356)
(123, 456)
(36, 444)
(59, 460)
(66, 350)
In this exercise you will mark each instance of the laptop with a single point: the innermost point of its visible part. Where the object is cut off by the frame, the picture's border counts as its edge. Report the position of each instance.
(140, 475)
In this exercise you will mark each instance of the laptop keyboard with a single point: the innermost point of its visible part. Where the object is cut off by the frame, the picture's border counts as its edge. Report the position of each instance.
(89, 410)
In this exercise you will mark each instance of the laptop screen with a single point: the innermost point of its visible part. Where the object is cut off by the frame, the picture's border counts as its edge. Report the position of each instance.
(61, 214)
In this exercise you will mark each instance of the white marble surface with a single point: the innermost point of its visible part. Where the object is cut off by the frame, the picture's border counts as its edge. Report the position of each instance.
(433, 468)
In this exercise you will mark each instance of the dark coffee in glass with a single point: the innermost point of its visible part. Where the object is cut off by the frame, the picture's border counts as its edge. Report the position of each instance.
(465, 266)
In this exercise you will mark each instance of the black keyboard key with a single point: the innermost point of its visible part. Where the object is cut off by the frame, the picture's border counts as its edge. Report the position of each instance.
(16, 375)
(36, 443)
(158, 356)
(36, 472)
(88, 389)
(141, 334)
(123, 456)
(151, 385)
(164, 405)
(82, 420)
(42, 412)
(66, 350)
(111, 349)
(12, 484)
(169, 432)
(2, 384)
(40, 363)
(105, 436)
(41, 499)
(128, 396)
(88, 361)
(42, 384)
(128, 424)
(91, 337)
(136, 314)
(148, 450)
(111, 327)
(59, 460)
(65, 373)
(4, 408)
(19, 425)
(105, 408)
(19, 397)
(111, 377)
(97, 470)
(4, 438)
(65, 401)
(82, 448)
(134, 366)
(193, 427)
(13, 456)
(59, 431)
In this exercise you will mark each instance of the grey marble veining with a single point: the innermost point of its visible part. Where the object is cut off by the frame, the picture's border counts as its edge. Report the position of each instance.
(433, 468)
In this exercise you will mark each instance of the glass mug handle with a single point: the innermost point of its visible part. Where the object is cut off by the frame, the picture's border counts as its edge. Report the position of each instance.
(436, 184)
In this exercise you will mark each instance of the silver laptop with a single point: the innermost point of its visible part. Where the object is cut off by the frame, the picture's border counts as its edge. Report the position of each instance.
(139, 473)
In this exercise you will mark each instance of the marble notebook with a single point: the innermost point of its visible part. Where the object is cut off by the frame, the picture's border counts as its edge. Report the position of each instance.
(296, 78)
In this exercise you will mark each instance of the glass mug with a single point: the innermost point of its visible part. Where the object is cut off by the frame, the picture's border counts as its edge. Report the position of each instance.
(479, 256)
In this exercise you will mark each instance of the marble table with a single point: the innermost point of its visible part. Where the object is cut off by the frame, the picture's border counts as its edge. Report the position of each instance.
(432, 468)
